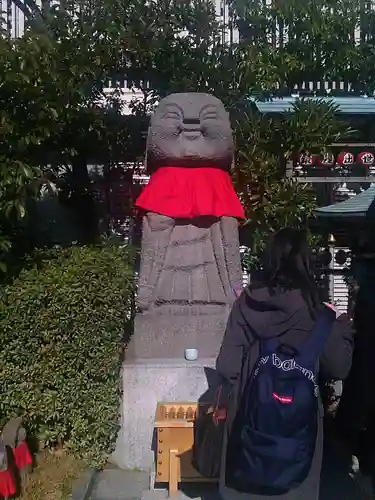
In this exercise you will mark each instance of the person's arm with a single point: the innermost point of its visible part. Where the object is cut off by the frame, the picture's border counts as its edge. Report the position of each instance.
(336, 361)
(228, 363)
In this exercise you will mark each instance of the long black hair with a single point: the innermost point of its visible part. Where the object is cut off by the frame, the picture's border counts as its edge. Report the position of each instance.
(287, 264)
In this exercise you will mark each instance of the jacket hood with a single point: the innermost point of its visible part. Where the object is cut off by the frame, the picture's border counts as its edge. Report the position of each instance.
(270, 313)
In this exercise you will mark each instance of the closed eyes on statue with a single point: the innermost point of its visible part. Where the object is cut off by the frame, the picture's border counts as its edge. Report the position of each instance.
(207, 124)
(180, 136)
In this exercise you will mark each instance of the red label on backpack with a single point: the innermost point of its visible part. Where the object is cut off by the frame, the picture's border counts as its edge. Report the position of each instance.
(283, 399)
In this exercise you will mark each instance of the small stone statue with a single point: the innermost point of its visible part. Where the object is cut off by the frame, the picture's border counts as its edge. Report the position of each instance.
(13, 444)
(190, 271)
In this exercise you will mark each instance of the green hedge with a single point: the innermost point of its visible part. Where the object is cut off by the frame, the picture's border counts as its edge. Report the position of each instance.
(62, 326)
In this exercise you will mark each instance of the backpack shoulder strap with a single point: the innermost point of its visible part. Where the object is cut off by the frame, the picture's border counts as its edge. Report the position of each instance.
(313, 347)
(268, 346)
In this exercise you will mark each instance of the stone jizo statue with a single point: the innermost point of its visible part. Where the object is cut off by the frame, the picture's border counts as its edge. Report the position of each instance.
(190, 271)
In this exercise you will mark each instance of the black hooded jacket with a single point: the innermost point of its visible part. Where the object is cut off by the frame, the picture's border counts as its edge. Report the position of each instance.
(260, 313)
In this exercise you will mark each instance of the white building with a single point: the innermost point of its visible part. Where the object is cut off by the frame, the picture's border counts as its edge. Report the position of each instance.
(13, 18)
(13, 21)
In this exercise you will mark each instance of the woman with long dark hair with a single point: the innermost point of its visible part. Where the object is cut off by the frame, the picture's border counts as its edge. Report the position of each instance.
(281, 302)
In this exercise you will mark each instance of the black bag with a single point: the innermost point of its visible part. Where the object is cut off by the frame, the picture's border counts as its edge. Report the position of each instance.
(272, 441)
(209, 428)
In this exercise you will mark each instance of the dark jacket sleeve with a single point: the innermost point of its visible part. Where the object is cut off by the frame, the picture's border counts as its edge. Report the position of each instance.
(336, 361)
(236, 339)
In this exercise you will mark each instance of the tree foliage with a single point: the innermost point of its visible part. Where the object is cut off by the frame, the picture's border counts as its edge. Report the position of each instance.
(322, 40)
(55, 117)
(63, 323)
(264, 146)
(52, 114)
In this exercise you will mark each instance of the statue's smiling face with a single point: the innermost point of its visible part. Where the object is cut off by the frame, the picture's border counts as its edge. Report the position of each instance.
(190, 130)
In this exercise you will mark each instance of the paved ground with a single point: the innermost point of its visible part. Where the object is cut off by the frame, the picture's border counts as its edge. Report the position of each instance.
(336, 484)
(115, 484)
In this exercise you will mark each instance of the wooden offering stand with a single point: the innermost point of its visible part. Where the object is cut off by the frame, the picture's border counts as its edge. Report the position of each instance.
(174, 424)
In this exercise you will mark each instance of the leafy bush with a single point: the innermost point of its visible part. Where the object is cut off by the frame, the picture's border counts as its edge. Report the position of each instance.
(62, 324)
(264, 145)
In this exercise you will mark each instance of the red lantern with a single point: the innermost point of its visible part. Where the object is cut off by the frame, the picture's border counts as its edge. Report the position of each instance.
(306, 159)
(366, 158)
(345, 158)
(327, 159)
(316, 159)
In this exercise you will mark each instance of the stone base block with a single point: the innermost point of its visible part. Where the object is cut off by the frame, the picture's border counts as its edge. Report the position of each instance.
(166, 331)
(145, 383)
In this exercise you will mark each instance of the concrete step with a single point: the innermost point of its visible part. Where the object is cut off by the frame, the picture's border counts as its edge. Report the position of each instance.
(337, 482)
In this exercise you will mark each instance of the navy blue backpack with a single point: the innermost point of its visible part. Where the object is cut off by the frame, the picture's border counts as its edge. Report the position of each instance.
(272, 441)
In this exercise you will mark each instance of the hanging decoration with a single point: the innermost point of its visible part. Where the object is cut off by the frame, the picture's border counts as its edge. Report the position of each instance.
(306, 159)
(325, 257)
(327, 159)
(366, 158)
(345, 158)
(316, 159)
(341, 257)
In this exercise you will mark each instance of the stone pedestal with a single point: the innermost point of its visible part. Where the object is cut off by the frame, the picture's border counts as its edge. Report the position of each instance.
(190, 266)
(166, 331)
(145, 383)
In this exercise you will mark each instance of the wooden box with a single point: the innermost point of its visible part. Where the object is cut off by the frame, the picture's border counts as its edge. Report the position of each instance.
(174, 441)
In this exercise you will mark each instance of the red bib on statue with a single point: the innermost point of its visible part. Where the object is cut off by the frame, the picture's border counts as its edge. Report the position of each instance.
(186, 193)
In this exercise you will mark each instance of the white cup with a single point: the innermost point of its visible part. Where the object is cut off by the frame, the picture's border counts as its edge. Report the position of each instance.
(191, 354)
